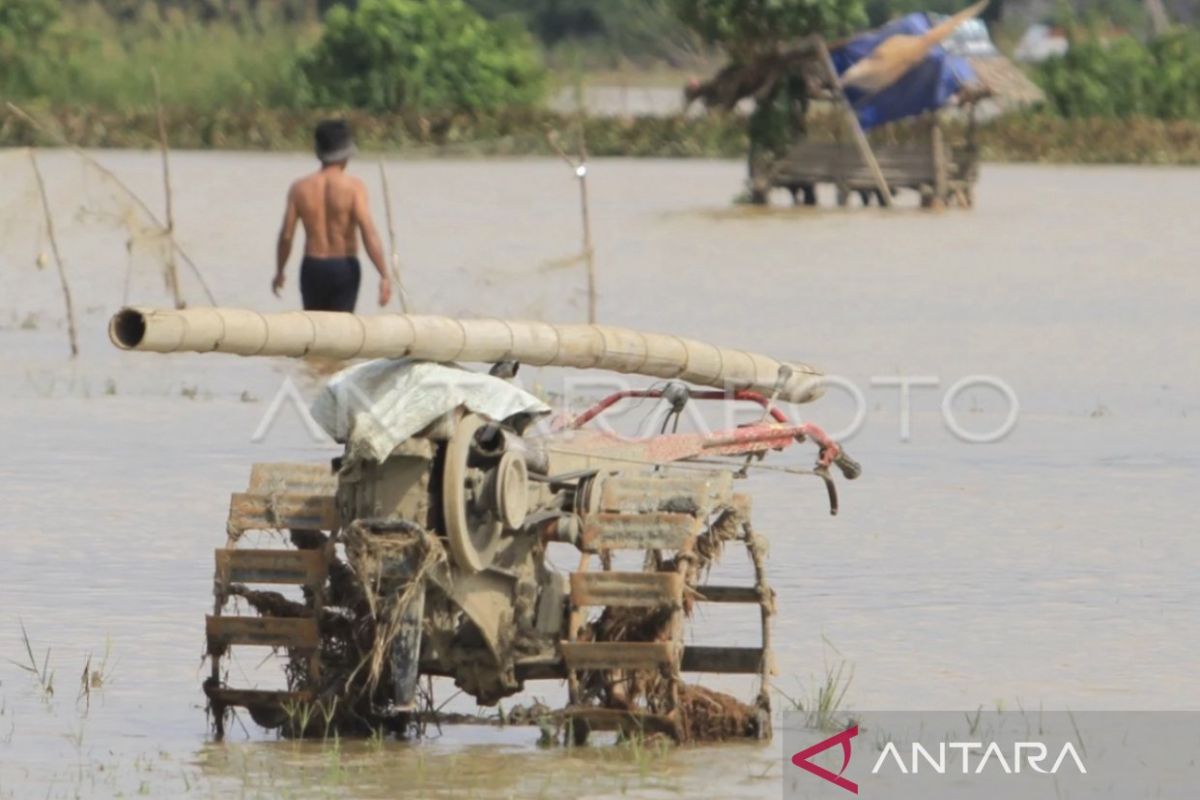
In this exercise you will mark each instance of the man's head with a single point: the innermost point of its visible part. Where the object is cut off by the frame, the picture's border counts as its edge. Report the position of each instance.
(334, 142)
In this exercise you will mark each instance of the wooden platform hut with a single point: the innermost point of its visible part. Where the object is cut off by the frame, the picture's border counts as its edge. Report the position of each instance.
(923, 128)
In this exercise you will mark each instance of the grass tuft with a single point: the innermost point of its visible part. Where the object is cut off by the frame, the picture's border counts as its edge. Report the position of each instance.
(41, 672)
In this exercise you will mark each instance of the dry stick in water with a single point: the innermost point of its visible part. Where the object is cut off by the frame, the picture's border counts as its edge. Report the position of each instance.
(172, 272)
(394, 261)
(580, 168)
(860, 138)
(96, 165)
(62, 273)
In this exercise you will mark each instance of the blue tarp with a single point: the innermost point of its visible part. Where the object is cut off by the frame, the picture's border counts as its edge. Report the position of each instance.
(926, 87)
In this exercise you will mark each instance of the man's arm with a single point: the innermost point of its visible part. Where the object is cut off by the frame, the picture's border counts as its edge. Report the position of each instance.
(370, 237)
(283, 249)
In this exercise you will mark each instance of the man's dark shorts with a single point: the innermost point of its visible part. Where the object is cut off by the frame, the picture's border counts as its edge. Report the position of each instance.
(329, 284)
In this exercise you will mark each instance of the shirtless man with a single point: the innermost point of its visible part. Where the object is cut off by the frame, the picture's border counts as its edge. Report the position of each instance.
(333, 207)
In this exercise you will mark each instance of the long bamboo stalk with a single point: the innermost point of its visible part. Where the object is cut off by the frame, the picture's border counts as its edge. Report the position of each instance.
(856, 131)
(394, 258)
(172, 272)
(110, 175)
(345, 336)
(72, 337)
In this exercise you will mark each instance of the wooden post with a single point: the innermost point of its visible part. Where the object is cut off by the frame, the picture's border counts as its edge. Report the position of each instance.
(971, 170)
(394, 260)
(937, 140)
(588, 250)
(58, 262)
(581, 171)
(580, 168)
(860, 138)
(172, 272)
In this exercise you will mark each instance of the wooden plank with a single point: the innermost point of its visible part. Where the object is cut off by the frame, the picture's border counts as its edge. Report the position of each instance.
(806, 151)
(268, 512)
(626, 589)
(643, 494)
(659, 531)
(728, 594)
(727, 660)
(615, 719)
(295, 633)
(617, 655)
(907, 165)
(298, 567)
(536, 668)
(285, 478)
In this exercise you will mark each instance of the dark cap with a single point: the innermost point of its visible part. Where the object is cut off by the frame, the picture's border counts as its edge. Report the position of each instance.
(334, 141)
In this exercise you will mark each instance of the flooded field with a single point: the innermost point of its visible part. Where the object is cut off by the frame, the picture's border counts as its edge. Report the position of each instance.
(1052, 568)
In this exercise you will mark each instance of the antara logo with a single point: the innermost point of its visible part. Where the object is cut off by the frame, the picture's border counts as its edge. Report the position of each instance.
(801, 759)
(1031, 754)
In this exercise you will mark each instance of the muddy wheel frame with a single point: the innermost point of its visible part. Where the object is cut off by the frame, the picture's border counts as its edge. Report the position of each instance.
(473, 543)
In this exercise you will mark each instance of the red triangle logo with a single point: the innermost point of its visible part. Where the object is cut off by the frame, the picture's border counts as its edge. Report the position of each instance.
(801, 759)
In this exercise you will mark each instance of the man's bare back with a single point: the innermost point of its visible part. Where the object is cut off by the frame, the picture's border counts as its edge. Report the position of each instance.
(325, 202)
(334, 210)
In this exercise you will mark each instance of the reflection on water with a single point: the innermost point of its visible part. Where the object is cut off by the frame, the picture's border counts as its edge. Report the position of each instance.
(1051, 569)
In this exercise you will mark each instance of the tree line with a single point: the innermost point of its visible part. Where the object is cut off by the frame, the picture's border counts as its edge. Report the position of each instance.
(480, 56)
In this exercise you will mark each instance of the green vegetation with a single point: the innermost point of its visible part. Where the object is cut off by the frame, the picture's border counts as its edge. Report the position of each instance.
(1030, 137)
(423, 57)
(467, 75)
(757, 29)
(23, 27)
(385, 55)
(601, 35)
(1125, 78)
(83, 54)
(748, 27)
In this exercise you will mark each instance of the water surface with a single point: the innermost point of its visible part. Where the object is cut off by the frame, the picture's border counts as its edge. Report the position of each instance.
(1055, 568)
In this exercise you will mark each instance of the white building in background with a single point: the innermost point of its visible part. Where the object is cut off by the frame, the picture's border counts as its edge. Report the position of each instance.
(1040, 42)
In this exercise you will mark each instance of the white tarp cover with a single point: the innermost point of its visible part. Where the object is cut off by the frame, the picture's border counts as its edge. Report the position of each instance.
(378, 404)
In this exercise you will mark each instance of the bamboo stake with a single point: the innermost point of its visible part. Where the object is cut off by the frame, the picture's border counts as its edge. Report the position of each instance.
(860, 138)
(589, 252)
(580, 168)
(172, 272)
(58, 262)
(107, 173)
(394, 261)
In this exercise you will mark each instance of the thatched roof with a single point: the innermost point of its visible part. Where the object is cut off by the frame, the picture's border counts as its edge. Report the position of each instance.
(1005, 82)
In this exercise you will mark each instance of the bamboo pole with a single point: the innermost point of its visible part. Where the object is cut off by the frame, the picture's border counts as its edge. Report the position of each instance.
(580, 168)
(589, 252)
(172, 272)
(110, 175)
(394, 260)
(937, 141)
(332, 334)
(58, 262)
(860, 138)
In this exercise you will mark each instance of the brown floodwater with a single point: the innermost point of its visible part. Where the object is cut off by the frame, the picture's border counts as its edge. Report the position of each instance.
(1053, 568)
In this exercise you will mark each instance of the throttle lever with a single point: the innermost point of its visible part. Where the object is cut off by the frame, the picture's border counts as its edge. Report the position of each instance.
(850, 468)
